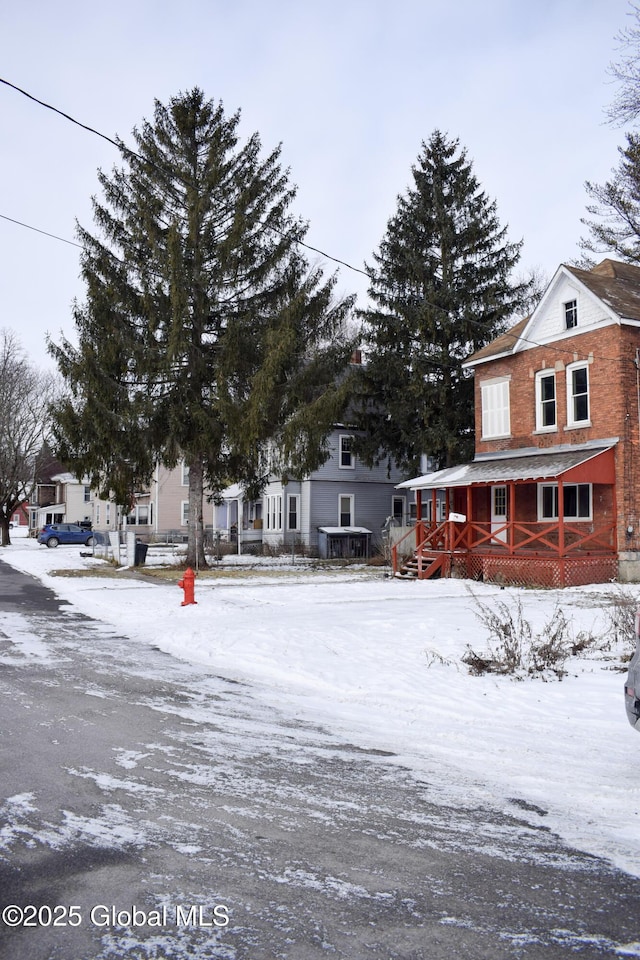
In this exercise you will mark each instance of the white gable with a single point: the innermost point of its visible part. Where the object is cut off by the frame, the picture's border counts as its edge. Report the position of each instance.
(548, 321)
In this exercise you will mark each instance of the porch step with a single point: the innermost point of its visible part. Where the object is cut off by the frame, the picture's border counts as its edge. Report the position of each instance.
(431, 567)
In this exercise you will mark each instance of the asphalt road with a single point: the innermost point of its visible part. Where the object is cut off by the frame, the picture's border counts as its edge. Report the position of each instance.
(148, 810)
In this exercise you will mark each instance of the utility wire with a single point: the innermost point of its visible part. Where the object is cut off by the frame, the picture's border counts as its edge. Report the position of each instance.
(37, 230)
(507, 333)
(48, 106)
(121, 147)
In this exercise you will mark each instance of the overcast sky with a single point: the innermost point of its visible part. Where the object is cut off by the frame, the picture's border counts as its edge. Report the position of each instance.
(350, 88)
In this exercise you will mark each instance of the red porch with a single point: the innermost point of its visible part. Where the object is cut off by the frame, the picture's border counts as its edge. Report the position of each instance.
(544, 519)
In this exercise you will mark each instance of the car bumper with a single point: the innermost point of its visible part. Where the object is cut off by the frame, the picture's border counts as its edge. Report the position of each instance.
(632, 704)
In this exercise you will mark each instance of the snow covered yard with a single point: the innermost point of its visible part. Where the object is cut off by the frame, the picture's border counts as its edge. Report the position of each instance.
(378, 662)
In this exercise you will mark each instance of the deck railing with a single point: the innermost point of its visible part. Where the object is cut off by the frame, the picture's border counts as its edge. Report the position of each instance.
(551, 539)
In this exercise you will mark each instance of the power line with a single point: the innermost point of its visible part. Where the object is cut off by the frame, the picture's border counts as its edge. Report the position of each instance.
(122, 148)
(48, 106)
(45, 232)
(507, 333)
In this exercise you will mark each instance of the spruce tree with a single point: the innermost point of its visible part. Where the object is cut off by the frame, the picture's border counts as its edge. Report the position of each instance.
(204, 334)
(440, 290)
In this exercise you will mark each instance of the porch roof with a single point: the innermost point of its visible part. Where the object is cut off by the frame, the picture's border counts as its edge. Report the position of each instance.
(543, 465)
(234, 492)
(336, 531)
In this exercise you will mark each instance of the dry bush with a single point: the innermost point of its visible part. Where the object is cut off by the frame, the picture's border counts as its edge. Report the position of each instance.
(515, 650)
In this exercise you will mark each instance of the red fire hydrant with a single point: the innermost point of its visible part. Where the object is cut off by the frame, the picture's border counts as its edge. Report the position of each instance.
(188, 585)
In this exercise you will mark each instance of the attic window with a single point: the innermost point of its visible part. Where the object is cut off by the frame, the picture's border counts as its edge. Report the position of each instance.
(571, 314)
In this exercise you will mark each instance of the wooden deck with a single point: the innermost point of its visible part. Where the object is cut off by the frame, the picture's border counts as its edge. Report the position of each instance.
(553, 554)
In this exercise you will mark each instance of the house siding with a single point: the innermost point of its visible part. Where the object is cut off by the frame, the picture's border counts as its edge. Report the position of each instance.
(551, 320)
(167, 495)
(371, 488)
(372, 506)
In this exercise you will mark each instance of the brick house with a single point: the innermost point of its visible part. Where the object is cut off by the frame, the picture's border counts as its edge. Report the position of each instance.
(552, 496)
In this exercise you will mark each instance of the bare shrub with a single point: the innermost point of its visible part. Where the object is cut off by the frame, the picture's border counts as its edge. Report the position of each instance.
(551, 648)
(508, 631)
(513, 647)
(620, 615)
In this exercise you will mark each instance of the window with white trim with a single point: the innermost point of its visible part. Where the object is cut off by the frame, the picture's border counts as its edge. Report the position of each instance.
(570, 314)
(293, 511)
(347, 459)
(496, 416)
(184, 513)
(546, 407)
(345, 510)
(140, 515)
(398, 509)
(184, 479)
(87, 494)
(577, 498)
(577, 394)
(273, 507)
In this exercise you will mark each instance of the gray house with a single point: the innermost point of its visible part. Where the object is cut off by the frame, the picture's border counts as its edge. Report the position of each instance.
(339, 510)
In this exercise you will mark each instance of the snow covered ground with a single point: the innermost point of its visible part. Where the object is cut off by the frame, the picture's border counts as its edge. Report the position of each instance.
(378, 661)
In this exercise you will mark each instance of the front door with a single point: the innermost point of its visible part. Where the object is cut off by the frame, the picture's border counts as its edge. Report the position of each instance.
(499, 513)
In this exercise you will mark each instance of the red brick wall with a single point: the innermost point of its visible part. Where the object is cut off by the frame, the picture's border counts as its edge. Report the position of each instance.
(613, 400)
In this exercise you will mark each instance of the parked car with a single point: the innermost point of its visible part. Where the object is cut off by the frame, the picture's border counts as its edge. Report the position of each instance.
(632, 683)
(54, 533)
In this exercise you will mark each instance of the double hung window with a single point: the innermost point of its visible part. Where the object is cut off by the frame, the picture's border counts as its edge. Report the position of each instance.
(345, 510)
(546, 408)
(347, 461)
(571, 314)
(293, 511)
(273, 507)
(577, 394)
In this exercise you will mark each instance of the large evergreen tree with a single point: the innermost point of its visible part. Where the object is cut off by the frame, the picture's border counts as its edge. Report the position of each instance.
(204, 333)
(440, 290)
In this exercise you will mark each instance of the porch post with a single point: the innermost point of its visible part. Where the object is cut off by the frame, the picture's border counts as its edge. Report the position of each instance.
(512, 516)
(561, 562)
(419, 527)
(447, 510)
(560, 517)
(469, 512)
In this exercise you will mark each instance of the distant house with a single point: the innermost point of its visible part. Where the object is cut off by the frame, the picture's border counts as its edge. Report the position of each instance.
(238, 519)
(161, 508)
(62, 498)
(552, 496)
(20, 516)
(339, 510)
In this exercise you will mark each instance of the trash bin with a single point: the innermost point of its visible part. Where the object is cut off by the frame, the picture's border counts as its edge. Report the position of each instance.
(140, 553)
